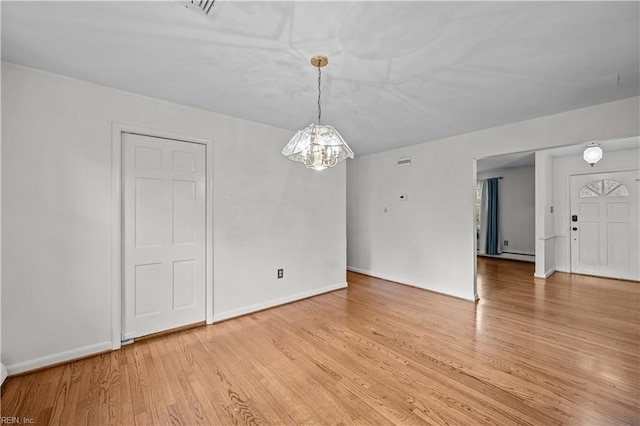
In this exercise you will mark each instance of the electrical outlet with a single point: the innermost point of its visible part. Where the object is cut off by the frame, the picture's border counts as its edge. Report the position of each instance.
(506, 243)
(280, 273)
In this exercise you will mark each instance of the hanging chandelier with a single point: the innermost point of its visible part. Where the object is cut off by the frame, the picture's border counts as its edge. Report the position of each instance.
(318, 145)
(592, 154)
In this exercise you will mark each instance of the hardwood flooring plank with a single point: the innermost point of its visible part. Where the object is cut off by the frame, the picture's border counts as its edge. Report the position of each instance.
(565, 350)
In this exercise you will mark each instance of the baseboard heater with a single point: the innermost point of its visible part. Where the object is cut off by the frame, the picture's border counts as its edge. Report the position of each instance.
(521, 254)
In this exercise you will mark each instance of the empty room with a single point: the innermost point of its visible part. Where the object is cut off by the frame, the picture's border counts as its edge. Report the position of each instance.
(320, 212)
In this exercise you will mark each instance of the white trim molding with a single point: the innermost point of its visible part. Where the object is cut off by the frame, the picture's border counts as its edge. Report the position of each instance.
(223, 316)
(546, 275)
(116, 220)
(58, 358)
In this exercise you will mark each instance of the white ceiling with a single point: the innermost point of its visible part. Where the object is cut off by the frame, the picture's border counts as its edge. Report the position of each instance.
(506, 161)
(399, 73)
(524, 159)
(607, 146)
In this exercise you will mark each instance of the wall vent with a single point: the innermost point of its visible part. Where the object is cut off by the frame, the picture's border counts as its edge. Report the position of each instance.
(203, 6)
(405, 161)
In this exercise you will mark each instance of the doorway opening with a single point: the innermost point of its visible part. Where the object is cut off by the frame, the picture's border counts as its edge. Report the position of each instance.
(505, 207)
(609, 239)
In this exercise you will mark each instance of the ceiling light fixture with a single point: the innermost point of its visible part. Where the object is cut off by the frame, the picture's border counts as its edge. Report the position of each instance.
(318, 145)
(592, 154)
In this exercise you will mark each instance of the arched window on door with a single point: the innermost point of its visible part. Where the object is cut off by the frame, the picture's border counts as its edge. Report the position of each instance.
(604, 188)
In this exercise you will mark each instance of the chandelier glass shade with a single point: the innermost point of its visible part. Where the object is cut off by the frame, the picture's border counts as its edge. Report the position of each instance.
(318, 146)
(592, 154)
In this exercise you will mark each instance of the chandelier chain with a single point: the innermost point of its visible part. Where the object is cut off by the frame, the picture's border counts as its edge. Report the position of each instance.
(319, 93)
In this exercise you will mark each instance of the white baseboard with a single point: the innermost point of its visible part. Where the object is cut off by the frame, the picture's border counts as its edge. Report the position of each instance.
(474, 298)
(546, 275)
(57, 358)
(524, 257)
(3, 373)
(362, 271)
(60, 357)
(276, 302)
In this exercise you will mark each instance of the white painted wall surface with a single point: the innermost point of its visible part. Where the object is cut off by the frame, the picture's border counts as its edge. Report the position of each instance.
(429, 240)
(269, 213)
(545, 236)
(516, 207)
(563, 167)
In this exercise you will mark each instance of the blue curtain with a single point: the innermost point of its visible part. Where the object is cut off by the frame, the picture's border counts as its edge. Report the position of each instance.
(493, 237)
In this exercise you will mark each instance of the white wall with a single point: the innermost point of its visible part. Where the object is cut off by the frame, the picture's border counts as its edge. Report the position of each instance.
(563, 168)
(545, 236)
(516, 207)
(429, 240)
(269, 213)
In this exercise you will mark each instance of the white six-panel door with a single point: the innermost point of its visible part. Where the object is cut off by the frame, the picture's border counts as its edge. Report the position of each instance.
(604, 228)
(164, 210)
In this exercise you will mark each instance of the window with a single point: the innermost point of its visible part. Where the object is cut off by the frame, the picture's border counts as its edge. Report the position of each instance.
(604, 188)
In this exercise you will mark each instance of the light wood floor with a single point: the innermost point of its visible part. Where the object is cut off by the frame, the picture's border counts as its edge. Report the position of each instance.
(564, 351)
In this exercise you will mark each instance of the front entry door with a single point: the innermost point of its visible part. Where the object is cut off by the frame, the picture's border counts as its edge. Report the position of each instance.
(604, 229)
(164, 212)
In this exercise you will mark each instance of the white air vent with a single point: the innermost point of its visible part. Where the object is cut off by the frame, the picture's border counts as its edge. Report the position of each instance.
(203, 6)
(406, 161)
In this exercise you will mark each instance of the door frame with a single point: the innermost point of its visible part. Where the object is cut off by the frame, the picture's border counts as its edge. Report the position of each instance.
(116, 220)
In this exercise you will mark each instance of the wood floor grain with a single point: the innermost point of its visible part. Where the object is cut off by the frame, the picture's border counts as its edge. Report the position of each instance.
(560, 351)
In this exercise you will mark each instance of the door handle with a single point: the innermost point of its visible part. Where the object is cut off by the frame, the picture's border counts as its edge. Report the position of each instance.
(574, 228)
